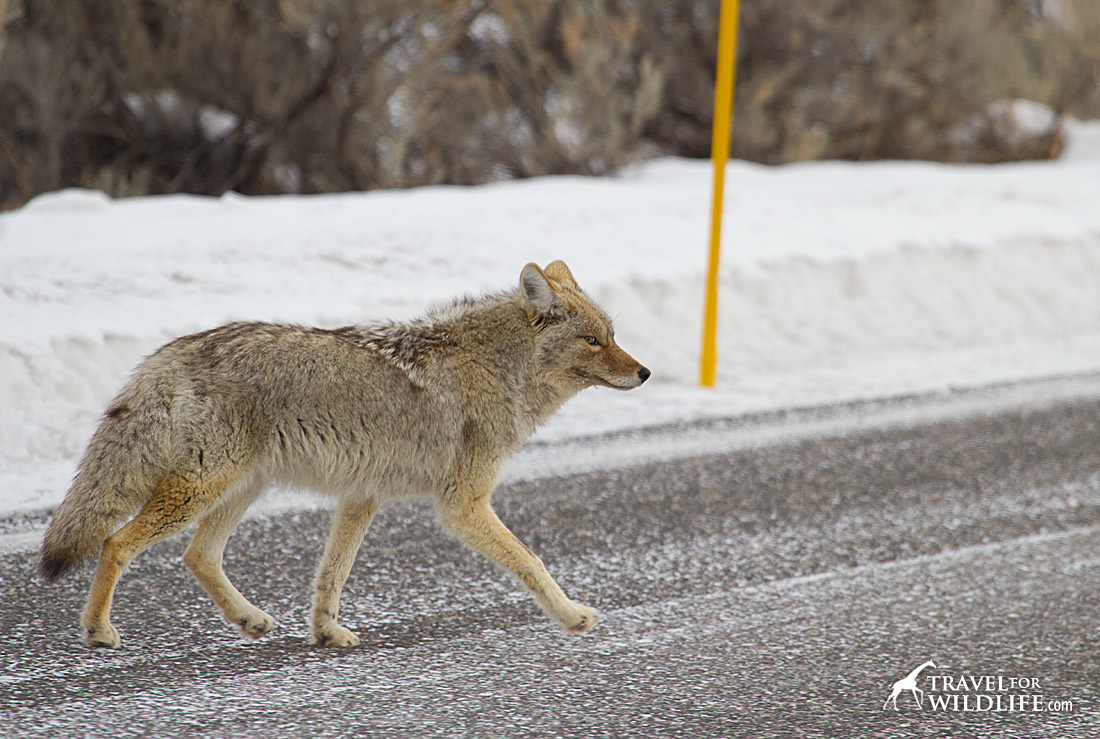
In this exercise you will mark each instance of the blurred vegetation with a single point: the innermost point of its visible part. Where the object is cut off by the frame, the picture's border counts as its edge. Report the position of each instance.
(273, 96)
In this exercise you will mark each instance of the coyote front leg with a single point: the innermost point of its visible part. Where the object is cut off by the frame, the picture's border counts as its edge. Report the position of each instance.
(475, 522)
(349, 526)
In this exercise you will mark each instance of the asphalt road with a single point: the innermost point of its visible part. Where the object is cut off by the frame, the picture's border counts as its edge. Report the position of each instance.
(778, 589)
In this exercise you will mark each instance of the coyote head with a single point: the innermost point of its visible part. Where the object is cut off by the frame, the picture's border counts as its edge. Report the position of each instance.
(574, 341)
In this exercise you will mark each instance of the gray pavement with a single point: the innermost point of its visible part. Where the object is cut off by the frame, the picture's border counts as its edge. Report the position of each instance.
(774, 590)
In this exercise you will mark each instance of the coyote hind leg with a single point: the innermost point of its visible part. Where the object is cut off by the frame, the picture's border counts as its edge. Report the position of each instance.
(204, 558)
(175, 503)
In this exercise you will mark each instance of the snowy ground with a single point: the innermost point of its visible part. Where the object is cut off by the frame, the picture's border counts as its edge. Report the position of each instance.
(839, 281)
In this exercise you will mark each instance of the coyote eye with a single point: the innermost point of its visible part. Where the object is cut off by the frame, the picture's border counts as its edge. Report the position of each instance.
(591, 340)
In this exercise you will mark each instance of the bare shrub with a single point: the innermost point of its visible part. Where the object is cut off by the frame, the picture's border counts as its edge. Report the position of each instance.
(536, 88)
(272, 96)
(1063, 57)
(860, 79)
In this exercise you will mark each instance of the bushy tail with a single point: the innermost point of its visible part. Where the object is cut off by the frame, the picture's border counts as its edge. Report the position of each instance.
(114, 479)
(86, 517)
(74, 534)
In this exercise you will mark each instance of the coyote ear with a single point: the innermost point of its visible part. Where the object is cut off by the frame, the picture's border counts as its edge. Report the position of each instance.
(559, 273)
(537, 291)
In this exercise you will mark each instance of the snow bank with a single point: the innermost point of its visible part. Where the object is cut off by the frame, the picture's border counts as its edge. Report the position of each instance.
(839, 281)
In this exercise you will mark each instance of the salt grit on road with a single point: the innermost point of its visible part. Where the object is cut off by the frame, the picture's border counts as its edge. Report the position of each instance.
(840, 281)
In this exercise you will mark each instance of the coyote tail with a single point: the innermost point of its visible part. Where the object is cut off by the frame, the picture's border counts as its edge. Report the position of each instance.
(115, 477)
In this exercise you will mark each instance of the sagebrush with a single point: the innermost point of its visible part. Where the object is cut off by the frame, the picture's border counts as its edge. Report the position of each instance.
(273, 96)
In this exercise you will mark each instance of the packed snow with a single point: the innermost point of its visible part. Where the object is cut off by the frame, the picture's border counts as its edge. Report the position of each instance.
(840, 281)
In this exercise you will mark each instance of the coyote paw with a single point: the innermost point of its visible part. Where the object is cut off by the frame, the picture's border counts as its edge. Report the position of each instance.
(333, 635)
(102, 635)
(580, 619)
(254, 623)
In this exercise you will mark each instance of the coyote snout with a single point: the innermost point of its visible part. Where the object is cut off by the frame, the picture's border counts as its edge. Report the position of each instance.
(365, 413)
(616, 368)
(633, 376)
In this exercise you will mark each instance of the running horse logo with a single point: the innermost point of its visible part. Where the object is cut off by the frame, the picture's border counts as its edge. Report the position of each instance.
(909, 682)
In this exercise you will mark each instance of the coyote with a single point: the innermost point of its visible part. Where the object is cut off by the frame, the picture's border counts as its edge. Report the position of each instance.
(365, 413)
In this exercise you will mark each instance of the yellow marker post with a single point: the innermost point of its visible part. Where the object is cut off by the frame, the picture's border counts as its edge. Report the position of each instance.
(719, 153)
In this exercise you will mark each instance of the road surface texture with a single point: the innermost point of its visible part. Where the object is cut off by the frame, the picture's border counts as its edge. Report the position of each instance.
(777, 589)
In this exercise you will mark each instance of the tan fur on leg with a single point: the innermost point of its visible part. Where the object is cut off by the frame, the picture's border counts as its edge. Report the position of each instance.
(476, 523)
(204, 558)
(349, 526)
(174, 504)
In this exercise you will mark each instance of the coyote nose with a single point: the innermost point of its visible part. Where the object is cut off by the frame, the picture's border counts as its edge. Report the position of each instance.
(644, 374)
